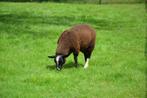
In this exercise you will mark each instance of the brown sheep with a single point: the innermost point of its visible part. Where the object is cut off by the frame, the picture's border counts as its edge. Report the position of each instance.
(78, 38)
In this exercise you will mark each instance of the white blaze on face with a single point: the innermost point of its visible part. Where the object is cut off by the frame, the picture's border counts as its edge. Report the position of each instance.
(86, 64)
(57, 59)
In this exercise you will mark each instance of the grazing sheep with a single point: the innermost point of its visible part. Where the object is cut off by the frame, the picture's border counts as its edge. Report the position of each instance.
(78, 38)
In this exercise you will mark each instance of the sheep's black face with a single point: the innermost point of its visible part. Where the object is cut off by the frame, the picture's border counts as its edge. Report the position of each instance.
(59, 60)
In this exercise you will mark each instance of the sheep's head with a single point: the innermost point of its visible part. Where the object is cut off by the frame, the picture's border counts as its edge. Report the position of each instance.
(59, 60)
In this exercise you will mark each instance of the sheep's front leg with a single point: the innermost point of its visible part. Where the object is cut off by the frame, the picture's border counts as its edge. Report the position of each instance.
(76, 58)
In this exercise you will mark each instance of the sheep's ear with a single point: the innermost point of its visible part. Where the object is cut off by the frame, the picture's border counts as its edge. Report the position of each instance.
(51, 56)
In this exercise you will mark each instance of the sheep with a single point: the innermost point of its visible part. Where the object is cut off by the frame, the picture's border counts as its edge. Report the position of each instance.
(78, 38)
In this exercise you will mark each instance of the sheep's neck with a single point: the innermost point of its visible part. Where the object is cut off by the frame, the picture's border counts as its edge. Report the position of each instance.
(63, 49)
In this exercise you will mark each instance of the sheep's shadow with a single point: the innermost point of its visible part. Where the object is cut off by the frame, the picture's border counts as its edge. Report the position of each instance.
(65, 66)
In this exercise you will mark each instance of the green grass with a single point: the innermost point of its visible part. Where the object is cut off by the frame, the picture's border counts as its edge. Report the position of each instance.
(29, 32)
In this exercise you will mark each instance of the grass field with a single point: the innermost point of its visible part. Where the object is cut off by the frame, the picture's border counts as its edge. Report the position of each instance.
(29, 32)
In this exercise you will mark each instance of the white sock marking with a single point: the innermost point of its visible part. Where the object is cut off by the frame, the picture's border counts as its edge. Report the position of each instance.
(86, 64)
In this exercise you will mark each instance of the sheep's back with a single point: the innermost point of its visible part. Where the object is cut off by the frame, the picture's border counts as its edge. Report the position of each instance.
(85, 35)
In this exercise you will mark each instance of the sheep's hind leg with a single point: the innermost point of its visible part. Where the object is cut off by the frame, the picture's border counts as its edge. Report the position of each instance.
(87, 55)
(87, 63)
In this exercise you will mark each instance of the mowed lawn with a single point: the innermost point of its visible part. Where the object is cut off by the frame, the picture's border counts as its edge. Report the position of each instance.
(29, 33)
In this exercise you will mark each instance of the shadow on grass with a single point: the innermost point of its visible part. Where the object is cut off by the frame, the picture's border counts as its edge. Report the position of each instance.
(65, 66)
